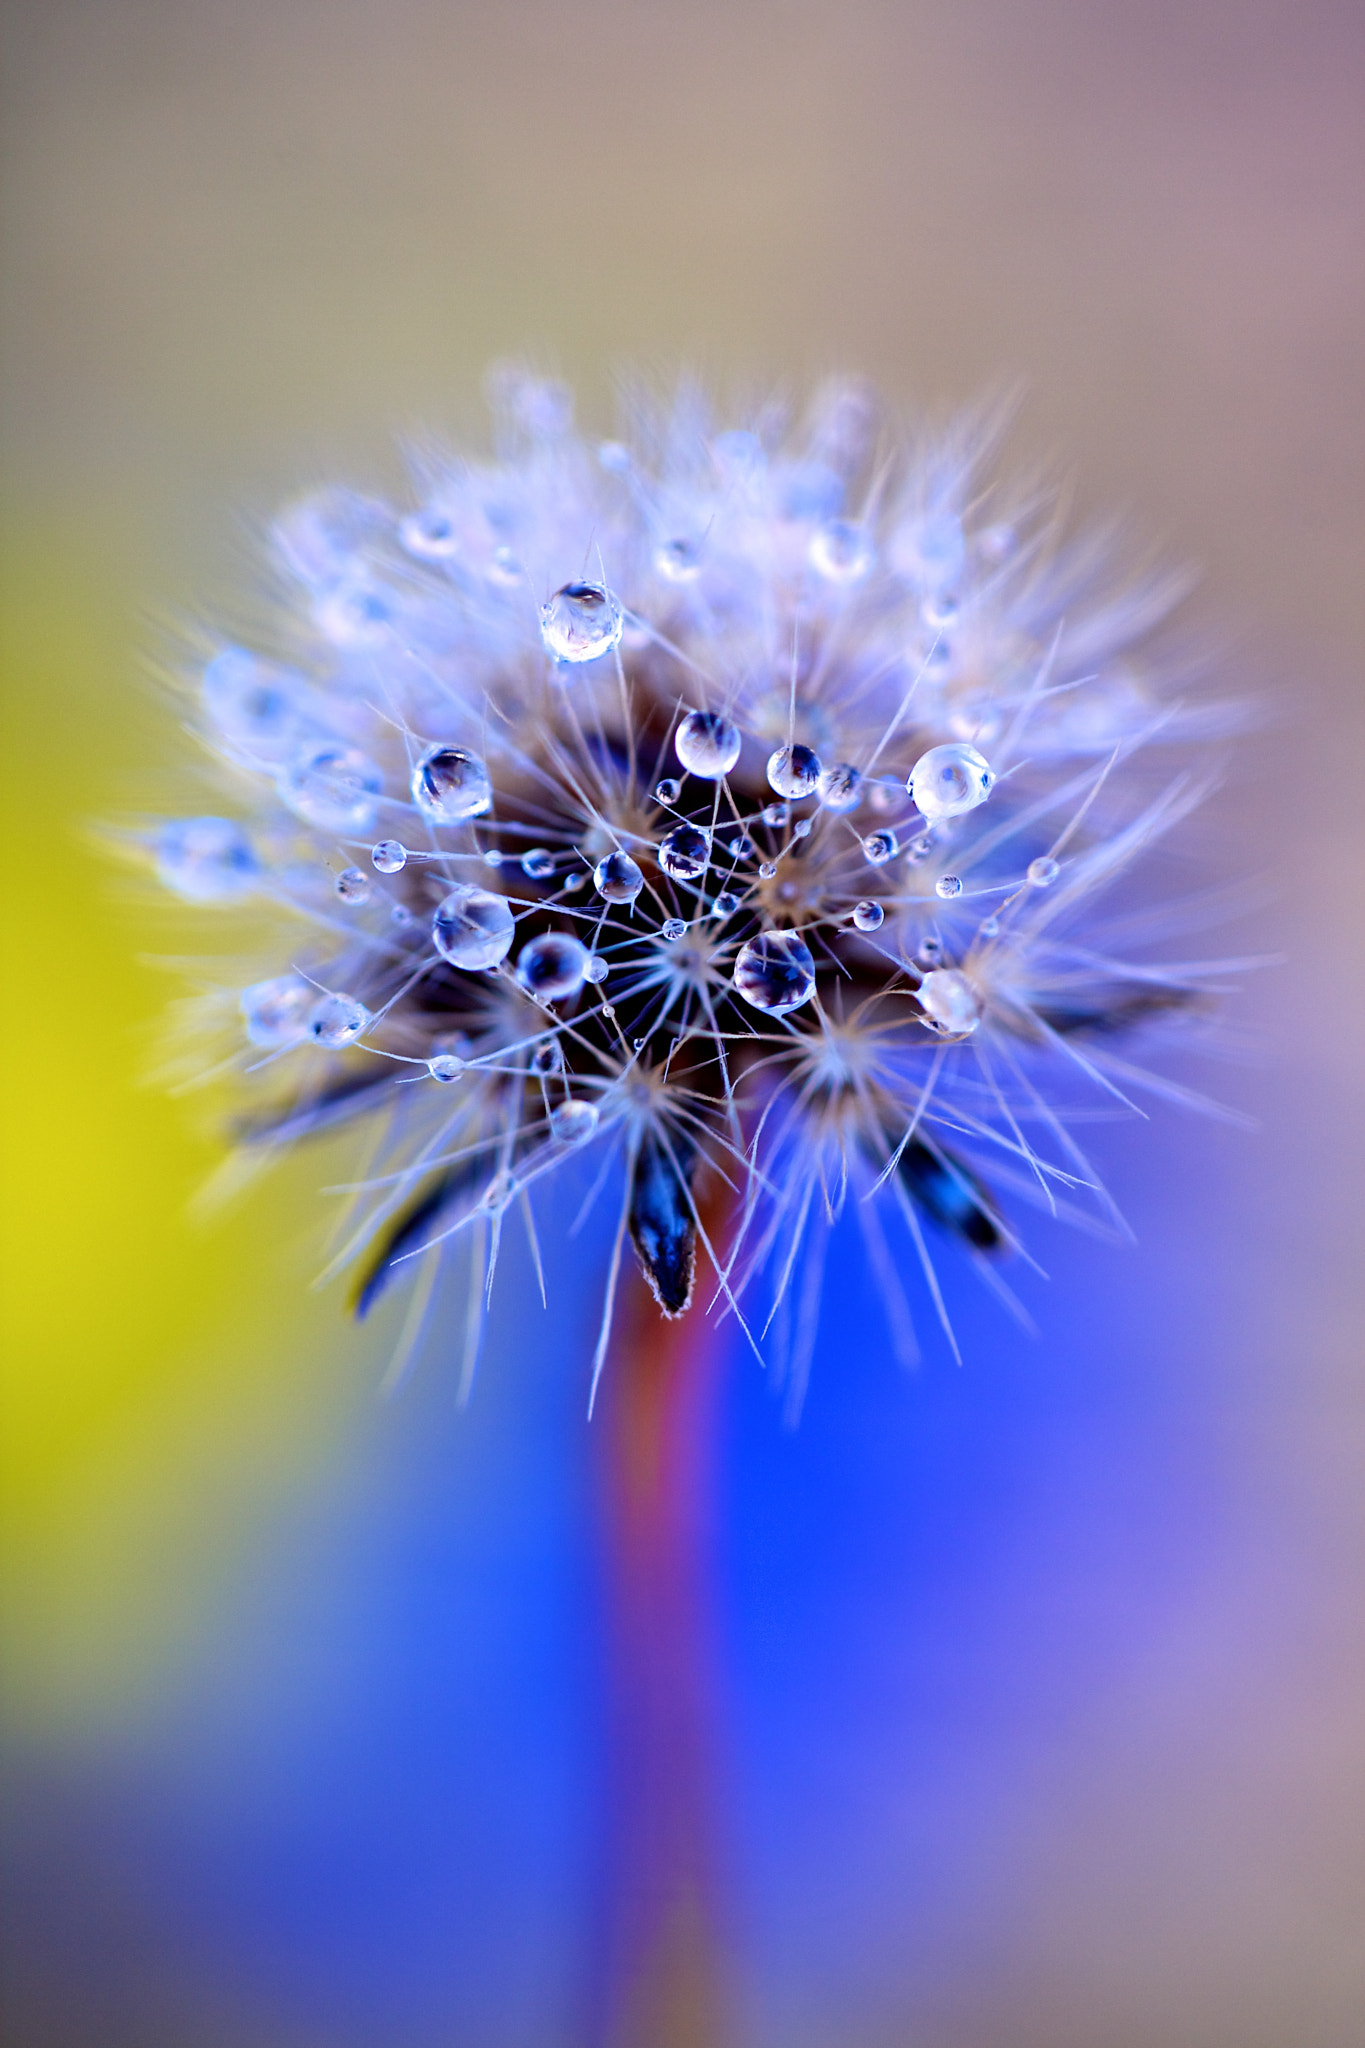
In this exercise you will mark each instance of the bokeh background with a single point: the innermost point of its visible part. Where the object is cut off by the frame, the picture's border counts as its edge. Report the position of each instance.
(1047, 1675)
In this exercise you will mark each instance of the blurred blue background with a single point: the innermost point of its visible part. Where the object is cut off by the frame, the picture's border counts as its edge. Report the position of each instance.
(1045, 1674)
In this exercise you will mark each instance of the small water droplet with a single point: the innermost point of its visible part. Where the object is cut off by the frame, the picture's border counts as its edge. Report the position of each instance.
(596, 970)
(678, 561)
(574, 883)
(801, 829)
(581, 622)
(673, 928)
(740, 847)
(1043, 872)
(353, 885)
(332, 786)
(777, 815)
(449, 784)
(573, 1122)
(608, 1009)
(841, 787)
(950, 1001)
(429, 534)
(492, 857)
(950, 780)
(445, 1066)
(930, 951)
(668, 791)
(389, 856)
(868, 916)
(547, 1057)
(775, 972)
(685, 852)
(948, 886)
(337, 1020)
(618, 878)
(206, 860)
(767, 869)
(553, 966)
(356, 614)
(400, 914)
(707, 744)
(726, 904)
(793, 771)
(940, 612)
(260, 707)
(275, 1012)
(841, 551)
(473, 929)
(503, 568)
(990, 926)
(880, 847)
(920, 849)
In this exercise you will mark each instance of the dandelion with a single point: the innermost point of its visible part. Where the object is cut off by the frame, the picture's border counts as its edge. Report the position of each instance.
(738, 807)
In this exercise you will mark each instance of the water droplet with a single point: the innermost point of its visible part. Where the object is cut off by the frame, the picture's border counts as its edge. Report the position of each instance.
(541, 407)
(868, 916)
(990, 926)
(618, 878)
(473, 928)
(841, 551)
(930, 951)
(206, 860)
(880, 847)
(767, 869)
(356, 614)
(400, 914)
(678, 561)
(726, 904)
(707, 744)
(1044, 871)
(948, 886)
(492, 857)
(740, 847)
(668, 791)
(389, 856)
(503, 568)
(337, 1020)
(775, 972)
(920, 849)
(614, 457)
(573, 1122)
(801, 829)
(445, 1066)
(949, 780)
(538, 862)
(333, 787)
(449, 784)
(581, 622)
(608, 1009)
(776, 815)
(429, 534)
(684, 852)
(574, 883)
(793, 771)
(553, 966)
(275, 1012)
(353, 885)
(596, 970)
(259, 707)
(547, 1057)
(673, 928)
(940, 612)
(841, 787)
(950, 1002)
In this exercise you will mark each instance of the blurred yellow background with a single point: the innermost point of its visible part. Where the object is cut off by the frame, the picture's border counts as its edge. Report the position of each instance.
(247, 246)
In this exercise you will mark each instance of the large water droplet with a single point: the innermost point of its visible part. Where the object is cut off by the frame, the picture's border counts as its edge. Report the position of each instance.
(880, 847)
(775, 972)
(793, 771)
(449, 784)
(573, 1122)
(473, 928)
(684, 852)
(206, 860)
(868, 916)
(581, 622)
(553, 966)
(275, 1012)
(337, 1020)
(389, 856)
(707, 744)
(949, 780)
(333, 787)
(950, 1001)
(841, 787)
(618, 878)
(841, 551)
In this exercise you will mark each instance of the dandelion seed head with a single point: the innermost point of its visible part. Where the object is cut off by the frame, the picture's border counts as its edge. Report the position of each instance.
(816, 746)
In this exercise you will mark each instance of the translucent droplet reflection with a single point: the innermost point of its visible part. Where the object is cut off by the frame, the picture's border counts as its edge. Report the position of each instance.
(338, 1020)
(353, 885)
(678, 561)
(333, 787)
(389, 856)
(793, 771)
(553, 966)
(573, 1122)
(685, 852)
(449, 784)
(618, 878)
(950, 780)
(206, 860)
(880, 847)
(774, 972)
(275, 1012)
(581, 622)
(473, 928)
(948, 886)
(868, 916)
(950, 1001)
(841, 787)
(841, 551)
(707, 744)
(445, 1066)
(1043, 872)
